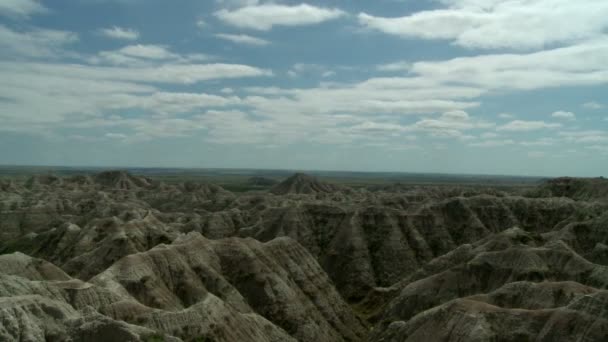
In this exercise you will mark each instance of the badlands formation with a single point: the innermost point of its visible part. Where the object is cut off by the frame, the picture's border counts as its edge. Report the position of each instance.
(119, 257)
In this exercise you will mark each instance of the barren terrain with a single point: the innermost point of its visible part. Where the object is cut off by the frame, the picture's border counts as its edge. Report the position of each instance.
(114, 256)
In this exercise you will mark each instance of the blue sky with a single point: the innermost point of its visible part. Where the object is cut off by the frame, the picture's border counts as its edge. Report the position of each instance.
(454, 86)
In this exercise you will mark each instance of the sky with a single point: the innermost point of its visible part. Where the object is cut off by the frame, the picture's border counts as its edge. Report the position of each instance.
(509, 87)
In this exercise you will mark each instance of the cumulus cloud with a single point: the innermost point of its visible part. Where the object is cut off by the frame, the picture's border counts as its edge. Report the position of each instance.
(536, 154)
(133, 55)
(564, 115)
(299, 69)
(593, 105)
(264, 16)
(35, 43)
(493, 143)
(116, 32)
(489, 135)
(455, 115)
(328, 73)
(585, 136)
(539, 142)
(432, 95)
(21, 8)
(599, 148)
(241, 127)
(237, 3)
(39, 95)
(144, 55)
(163, 73)
(581, 64)
(395, 66)
(238, 127)
(451, 124)
(525, 126)
(370, 126)
(243, 39)
(147, 51)
(118, 136)
(526, 24)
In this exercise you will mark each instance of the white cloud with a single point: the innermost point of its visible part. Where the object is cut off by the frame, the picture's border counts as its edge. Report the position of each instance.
(576, 65)
(304, 67)
(368, 112)
(451, 124)
(395, 96)
(144, 55)
(564, 115)
(21, 8)
(299, 69)
(164, 73)
(263, 17)
(539, 142)
(489, 135)
(162, 127)
(597, 138)
(395, 66)
(243, 39)
(455, 115)
(493, 143)
(506, 116)
(201, 23)
(238, 127)
(593, 105)
(173, 103)
(522, 24)
(148, 51)
(536, 154)
(118, 136)
(116, 32)
(599, 148)
(585, 136)
(237, 3)
(525, 126)
(40, 96)
(377, 127)
(328, 73)
(35, 43)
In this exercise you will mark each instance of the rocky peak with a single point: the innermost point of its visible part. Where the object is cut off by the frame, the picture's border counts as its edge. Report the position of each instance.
(301, 183)
(121, 180)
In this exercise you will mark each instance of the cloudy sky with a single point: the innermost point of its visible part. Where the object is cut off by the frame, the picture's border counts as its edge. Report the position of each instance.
(454, 86)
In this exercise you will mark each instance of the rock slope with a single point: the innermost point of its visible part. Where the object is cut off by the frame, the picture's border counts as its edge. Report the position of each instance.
(223, 290)
(301, 183)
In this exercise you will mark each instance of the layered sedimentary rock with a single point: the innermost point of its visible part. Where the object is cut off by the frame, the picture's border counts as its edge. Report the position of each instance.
(115, 256)
(510, 286)
(225, 290)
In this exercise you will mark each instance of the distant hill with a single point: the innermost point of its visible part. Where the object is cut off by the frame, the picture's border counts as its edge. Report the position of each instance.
(576, 188)
(301, 183)
(261, 181)
(121, 180)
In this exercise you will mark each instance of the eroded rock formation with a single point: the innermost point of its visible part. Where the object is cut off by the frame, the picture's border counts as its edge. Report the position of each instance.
(115, 256)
